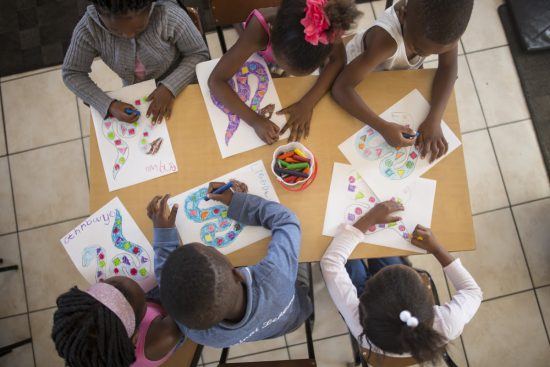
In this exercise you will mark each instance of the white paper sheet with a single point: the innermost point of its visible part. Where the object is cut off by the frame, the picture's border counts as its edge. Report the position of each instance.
(238, 136)
(137, 152)
(110, 243)
(206, 221)
(350, 198)
(386, 169)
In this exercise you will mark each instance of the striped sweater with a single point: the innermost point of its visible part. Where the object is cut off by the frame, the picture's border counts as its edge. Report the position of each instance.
(169, 48)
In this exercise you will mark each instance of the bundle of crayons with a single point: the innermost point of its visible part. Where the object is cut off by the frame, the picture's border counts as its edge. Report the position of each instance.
(293, 166)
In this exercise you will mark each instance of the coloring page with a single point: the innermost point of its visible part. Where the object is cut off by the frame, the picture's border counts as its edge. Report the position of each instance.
(350, 198)
(388, 170)
(254, 86)
(133, 152)
(207, 222)
(109, 243)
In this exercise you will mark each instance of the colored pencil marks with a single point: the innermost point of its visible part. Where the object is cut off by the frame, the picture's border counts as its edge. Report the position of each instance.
(243, 91)
(364, 200)
(395, 163)
(218, 230)
(117, 132)
(133, 262)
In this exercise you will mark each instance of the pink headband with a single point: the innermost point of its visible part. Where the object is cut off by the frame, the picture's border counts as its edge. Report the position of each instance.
(115, 301)
(316, 23)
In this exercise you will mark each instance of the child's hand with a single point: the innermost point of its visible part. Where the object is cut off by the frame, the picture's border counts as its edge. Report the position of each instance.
(424, 238)
(162, 101)
(267, 131)
(393, 133)
(239, 186)
(117, 110)
(159, 213)
(299, 120)
(381, 213)
(225, 197)
(431, 140)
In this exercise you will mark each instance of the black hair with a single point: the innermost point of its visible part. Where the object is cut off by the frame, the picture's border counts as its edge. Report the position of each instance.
(118, 7)
(390, 291)
(193, 286)
(288, 38)
(444, 21)
(88, 334)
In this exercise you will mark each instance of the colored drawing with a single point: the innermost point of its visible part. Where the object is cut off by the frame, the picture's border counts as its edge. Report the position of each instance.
(250, 68)
(109, 243)
(215, 220)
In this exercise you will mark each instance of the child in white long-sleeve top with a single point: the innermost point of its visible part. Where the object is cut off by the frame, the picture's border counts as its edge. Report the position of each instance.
(395, 314)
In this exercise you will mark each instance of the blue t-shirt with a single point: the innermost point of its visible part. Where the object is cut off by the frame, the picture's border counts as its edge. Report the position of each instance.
(275, 304)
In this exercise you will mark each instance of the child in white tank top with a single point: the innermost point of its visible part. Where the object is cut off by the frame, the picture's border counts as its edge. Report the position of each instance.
(400, 39)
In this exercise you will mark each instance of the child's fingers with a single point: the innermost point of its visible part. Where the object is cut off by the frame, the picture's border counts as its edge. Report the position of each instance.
(152, 205)
(283, 111)
(393, 218)
(173, 213)
(164, 201)
(213, 186)
(151, 96)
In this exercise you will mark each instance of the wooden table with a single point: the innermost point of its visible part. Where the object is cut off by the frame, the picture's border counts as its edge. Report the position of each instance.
(199, 161)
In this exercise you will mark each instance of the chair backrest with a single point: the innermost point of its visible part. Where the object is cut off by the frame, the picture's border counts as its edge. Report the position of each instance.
(380, 360)
(227, 12)
(195, 17)
(289, 363)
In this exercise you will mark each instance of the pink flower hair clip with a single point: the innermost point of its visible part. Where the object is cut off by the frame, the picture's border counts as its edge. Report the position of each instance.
(316, 23)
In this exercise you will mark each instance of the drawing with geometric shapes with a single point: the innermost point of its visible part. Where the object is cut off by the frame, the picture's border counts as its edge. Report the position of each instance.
(395, 163)
(134, 262)
(243, 91)
(218, 230)
(116, 132)
(365, 200)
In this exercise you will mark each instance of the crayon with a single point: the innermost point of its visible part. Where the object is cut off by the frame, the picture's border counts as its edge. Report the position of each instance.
(300, 153)
(291, 160)
(285, 155)
(281, 171)
(297, 166)
(411, 136)
(130, 111)
(220, 190)
(290, 179)
(306, 170)
(300, 158)
(282, 163)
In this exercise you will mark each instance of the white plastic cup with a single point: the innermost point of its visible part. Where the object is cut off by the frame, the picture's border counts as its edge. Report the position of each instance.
(288, 147)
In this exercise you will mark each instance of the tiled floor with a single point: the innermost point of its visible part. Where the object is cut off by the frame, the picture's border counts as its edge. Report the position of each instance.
(44, 192)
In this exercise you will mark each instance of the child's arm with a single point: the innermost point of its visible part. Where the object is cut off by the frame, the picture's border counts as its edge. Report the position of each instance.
(431, 139)
(253, 39)
(380, 46)
(187, 38)
(299, 119)
(339, 284)
(455, 314)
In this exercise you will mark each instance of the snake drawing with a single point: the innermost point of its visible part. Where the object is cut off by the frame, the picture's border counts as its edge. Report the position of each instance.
(243, 91)
(365, 200)
(218, 231)
(395, 163)
(133, 262)
(117, 132)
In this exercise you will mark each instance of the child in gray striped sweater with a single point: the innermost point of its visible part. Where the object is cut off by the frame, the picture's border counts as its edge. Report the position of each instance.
(138, 40)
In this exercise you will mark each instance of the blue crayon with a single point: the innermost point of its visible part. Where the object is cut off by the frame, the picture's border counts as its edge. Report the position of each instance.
(411, 136)
(129, 111)
(220, 190)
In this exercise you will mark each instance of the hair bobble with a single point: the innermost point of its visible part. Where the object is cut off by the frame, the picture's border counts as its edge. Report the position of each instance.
(408, 319)
(316, 23)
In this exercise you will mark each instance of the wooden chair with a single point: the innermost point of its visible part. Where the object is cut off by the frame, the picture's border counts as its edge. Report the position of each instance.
(367, 358)
(229, 12)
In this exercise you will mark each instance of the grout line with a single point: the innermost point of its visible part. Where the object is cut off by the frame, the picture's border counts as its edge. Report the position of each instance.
(38, 72)
(484, 49)
(511, 206)
(507, 295)
(7, 233)
(490, 211)
(45, 146)
(52, 224)
(18, 238)
(461, 341)
(29, 312)
(493, 126)
(82, 140)
(464, 350)
(542, 286)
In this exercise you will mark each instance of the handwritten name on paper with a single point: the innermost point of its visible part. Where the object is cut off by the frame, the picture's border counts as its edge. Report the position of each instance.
(104, 218)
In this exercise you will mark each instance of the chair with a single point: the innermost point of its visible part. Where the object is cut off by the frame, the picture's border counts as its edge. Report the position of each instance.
(364, 357)
(309, 362)
(227, 12)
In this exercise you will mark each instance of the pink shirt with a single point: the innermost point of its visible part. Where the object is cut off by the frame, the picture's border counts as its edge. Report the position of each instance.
(153, 311)
(267, 54)
(139, 70)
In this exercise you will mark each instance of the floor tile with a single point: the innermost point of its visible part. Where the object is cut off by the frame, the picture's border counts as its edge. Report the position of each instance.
(507, 332)
(498, 86)
(86, 142)
(84, 116)
(333, 352)
(533, 223)
(366, 19)
(543, 295)
(44, 349)
(59, 174)
(29, 73)
(256, 347)
(47, 268)
(520, 161)
(497, 264)
(469, 109)
(379, 6)
(484, 180)
(328, 321)
(432, 266)
(231, 37)
(50, 113)
(3, 150)
(11, 282)
(274, 355)
(7, 214)
(484, 29)
(16, 329)
(300, 352)
(210, 354)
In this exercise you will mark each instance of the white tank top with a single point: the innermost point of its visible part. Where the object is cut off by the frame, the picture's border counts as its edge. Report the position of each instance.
(390, 23)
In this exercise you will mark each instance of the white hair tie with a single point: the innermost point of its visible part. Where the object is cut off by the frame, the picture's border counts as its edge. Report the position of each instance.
(408, 319)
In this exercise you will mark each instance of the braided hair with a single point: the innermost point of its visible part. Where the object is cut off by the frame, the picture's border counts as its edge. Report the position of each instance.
(88, 334)
(118, 7)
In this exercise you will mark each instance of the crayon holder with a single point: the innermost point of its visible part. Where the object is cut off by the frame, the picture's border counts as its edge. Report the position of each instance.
(294, 166)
